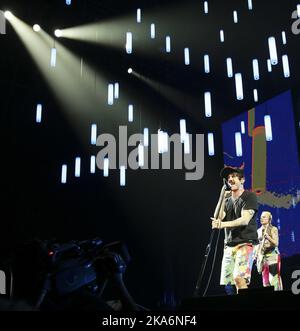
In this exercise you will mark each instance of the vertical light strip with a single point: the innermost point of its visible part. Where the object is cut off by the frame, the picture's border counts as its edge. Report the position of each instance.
(286, 66)
(255, 95)
(283, 35)
(77, 166)
(168, 44)
(207, 104)
(229, 67)
(222, 38)
(64, 174)
(38, 116)
(182, 124)
(235, 16)
(186, 144)
(146, 137)
(141, 155)
(128, 42)
(250, 5)
(205, 5)
(93, 134)
(117, 91)
(255, 69)
(122, 176)
(139, 15)
(53, 57)
(186, 56)
(206, 64)
(298, 11)
(110, 94)
(268, 127)
(130, 113)
(239, 86)
(211, 144)
(243, 128)
(160, 141)
(106, 167)
(93, 164)
(273, 50)
(152, 30)
(269, 65)
(238, 144)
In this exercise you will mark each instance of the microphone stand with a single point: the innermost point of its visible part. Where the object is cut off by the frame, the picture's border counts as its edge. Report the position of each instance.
(208, 247)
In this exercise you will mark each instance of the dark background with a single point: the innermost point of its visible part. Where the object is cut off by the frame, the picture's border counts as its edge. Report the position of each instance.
(164, 220)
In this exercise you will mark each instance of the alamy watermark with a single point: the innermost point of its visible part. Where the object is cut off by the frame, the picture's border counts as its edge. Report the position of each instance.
(191, 159)
(296, 24)
(2, 23)
(2, 282)
(296, 283)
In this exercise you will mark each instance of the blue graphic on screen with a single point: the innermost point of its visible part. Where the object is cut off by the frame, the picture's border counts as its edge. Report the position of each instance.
(272, 168)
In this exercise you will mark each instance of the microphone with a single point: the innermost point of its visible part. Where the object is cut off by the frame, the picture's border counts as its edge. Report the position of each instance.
(228, 188)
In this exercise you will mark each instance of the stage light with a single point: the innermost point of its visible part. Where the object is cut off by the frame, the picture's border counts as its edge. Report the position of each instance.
(182, 124)
(286, 66)
(207, 104)
(235, 16)
(130, 113)
(250, 5)
(38, 118)
(238, 144)
(53, 57)
(152, 31)
(93, 164)
(205, 5)
(283, 35)
(128, 42)
(222, 38)
(186, 145)
(93, 134)
(160, 141)
(168, 44)
(141, 155)
(64, 174)
(105, 167)
(229, 67)
(243, 128)
(122, 176)
(255, 69)
(129, 70)
(268, 128)
(138, 15)
(211, 145)
(58, 33)
(146, 137)
(239, 86)
(110, 94)
(117, 89)
(269, 65)
(36, 28)
(273, 50)
(255, 95)
(8, 15)
(206, 64)
(186, 56)
(68, 2)
(77, 166)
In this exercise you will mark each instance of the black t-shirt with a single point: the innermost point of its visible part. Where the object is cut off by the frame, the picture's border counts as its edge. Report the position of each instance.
(233, 210)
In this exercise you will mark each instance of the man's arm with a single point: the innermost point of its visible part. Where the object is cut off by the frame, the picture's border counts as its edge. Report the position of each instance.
(241, 221)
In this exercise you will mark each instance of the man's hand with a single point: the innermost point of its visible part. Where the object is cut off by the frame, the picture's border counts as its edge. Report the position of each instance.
(216, 223)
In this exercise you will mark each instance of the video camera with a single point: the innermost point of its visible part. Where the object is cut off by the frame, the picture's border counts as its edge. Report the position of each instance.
(63, 269)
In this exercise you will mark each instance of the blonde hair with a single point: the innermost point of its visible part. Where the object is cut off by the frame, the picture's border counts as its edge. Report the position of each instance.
(269, 214)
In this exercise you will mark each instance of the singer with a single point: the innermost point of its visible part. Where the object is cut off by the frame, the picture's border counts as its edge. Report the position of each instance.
(237, 216)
